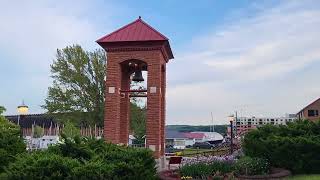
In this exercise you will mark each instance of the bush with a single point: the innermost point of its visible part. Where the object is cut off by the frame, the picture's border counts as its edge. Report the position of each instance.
(131, 162)
(203, 170)
(94, 171)
(73, 148)
(251, 166)
(84, 159)
(294, 147)
(41, 165)
(11, 142)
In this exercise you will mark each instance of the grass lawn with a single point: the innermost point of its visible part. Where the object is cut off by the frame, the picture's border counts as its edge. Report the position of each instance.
(195, 151)
(307, 177)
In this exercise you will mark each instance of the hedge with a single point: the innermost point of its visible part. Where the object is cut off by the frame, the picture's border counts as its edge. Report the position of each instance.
(295, 147)
(84, 159)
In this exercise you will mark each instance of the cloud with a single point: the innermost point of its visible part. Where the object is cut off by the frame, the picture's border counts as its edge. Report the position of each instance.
(275, 42)
(30, 33)
(260, 62)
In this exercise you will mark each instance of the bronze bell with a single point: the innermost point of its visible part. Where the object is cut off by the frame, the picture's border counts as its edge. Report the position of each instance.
(137, 76)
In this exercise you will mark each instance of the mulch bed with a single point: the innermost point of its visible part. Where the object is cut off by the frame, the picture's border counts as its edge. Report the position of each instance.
(275, 173)
(169, 175)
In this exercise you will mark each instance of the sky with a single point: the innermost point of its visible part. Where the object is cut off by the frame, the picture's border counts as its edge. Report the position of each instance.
(259, 58)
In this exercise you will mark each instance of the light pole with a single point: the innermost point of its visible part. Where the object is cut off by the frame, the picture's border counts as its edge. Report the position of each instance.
(231, 136)
(231, 119)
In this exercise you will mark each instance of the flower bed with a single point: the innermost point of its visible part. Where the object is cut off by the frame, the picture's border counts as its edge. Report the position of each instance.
(208, 159)
(224, 167)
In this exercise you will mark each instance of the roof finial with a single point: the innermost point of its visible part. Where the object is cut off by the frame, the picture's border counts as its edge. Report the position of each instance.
(139, 17)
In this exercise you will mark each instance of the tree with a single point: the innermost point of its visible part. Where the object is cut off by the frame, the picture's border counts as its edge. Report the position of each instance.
(38, 132)
(77, 92)
(78, 85)
(138, 121)
(11, 143)
(70, 130)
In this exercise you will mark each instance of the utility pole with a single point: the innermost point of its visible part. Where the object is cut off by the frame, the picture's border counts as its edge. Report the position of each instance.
(212, 122)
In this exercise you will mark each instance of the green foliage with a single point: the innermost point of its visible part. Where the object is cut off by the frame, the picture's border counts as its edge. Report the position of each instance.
(2, 110)
(73, 148)
(77, 92)
(138, 121)
(41, 165)
(251, 166)
(11, 142)
(294, 147)
(94, 170)
(84, 159)
(304, 177)
(203, 170)
(78, 84)
(69, 130)
(38, 132)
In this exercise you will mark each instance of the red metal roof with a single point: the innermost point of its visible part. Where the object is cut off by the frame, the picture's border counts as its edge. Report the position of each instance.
(138, 30)
(194, 135)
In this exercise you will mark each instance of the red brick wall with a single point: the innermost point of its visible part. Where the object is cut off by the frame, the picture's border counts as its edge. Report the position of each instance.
(124, 108)
(117, 109)
(313, 106)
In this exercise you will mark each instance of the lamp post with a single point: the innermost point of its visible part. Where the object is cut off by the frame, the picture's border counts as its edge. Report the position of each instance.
(231, 119)
(231, 136)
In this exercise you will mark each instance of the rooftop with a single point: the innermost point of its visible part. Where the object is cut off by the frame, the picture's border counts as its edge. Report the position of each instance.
(138, 30)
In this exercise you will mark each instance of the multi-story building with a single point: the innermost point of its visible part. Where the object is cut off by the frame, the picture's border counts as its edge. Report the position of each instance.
(242, 125)
(311, 111)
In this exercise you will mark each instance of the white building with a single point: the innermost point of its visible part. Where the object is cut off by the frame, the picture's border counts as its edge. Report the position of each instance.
(180, 140)
(41, 143)
(243, 124)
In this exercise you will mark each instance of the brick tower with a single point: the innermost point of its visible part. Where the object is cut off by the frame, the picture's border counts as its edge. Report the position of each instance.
(131, 49)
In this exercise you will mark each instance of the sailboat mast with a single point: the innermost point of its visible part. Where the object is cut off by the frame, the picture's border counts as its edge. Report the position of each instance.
(212, 122)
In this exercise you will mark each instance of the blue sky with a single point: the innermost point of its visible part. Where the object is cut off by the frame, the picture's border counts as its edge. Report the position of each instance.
(261, 58)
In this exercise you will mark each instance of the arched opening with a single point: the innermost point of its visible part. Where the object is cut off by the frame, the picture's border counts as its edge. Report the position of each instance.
(135, 74)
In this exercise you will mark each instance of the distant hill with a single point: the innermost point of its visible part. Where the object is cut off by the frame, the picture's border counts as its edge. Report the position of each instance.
(222, 129)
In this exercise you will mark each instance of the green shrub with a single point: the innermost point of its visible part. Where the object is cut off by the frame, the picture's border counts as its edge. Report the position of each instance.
(74, 148)
(84, 159)
(203, 170)
(41, 165)
(251, 166)
(295, 147)
(128, 162)
(11, 142)
(94, 171)
(131, 162)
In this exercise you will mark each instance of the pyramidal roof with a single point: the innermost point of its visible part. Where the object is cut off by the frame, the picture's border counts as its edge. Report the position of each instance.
(138, 30)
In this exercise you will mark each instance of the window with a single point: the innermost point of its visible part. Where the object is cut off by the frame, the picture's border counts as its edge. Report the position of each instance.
(313, 113)
(179, 143)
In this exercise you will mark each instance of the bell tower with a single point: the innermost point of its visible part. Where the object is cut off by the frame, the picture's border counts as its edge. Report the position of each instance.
(132, 49)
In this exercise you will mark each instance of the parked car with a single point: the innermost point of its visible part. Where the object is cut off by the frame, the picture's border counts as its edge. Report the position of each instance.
(203, 145)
